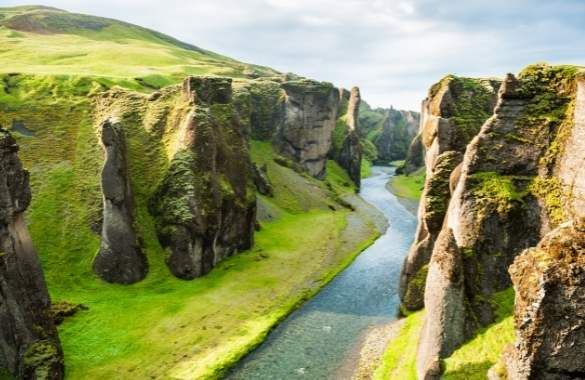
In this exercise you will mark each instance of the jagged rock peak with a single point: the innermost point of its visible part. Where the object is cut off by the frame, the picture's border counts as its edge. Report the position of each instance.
(29, 344)
(353, 109)
(120, 258)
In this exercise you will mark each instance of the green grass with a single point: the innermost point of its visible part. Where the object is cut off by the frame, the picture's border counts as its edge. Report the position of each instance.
(366, 169)
(409, 186)
(399, 360)
(472, 360)
(163, 326)
(51, 42)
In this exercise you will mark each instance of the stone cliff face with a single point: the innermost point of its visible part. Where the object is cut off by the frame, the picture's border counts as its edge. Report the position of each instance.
(29, 345)
(549, 279)
(508, 192)
(309, 120)
(120, 258)
(206, 205)
(550, 319)
(306, 121)
(398, 131)
(451, 115)
(346, 148)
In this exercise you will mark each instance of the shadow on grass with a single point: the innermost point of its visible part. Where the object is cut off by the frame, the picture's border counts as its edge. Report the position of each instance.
(470, 371)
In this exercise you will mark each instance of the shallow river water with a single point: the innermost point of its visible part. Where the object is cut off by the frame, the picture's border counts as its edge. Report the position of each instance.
(314, 340)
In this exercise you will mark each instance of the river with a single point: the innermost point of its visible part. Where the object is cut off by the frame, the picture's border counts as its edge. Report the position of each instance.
(314, 340)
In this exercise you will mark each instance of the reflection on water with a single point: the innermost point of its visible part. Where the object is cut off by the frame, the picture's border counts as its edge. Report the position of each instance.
(312, 342)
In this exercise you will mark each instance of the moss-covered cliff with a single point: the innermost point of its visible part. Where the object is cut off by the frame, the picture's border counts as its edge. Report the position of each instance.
(387, 133)
(453, 113)
(499, 207)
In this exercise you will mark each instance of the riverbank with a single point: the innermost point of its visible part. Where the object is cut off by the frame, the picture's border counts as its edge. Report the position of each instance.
(164, 327)
(408, 188)
(315, 341)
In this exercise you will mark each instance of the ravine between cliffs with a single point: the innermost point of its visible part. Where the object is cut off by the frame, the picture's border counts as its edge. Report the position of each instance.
(313, 342)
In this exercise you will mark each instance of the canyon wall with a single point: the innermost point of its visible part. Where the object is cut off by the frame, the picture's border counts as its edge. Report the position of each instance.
(199, 189)
(29, 344)
(452, 114)
(346, 146)
(508, 193)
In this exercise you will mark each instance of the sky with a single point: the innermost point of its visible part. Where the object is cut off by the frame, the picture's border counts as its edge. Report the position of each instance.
(394, 50)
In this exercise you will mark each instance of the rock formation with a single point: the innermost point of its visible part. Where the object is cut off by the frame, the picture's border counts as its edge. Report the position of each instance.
(508, 192)
(120, 258)
(205, 206)
(415, 157)
(309, 120)
(398, 130)
(550, 319)
(29, 345)
(549, 279)
(346, 148)
(452, 114)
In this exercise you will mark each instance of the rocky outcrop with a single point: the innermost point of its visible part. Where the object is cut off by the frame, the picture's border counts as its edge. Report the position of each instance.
(549, 279)
(299, 117)
(397, 133)
(415, 157)
(346, 148)
(506, 195)
(29, 345)
(310, 113)
(120, 258)
(549, 316)
(205, 205)
(452, 114)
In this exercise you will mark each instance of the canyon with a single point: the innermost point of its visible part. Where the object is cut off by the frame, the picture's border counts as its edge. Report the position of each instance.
(216, 199)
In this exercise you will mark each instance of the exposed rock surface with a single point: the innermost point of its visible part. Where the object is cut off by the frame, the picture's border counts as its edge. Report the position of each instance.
(398, 131)
(415, 157)
(452, 114)
(506, 196)
(309, 120)
(550, 279)
(120, 258)
(206, 206)
(29, 344)
(549, 316)
(346, 149)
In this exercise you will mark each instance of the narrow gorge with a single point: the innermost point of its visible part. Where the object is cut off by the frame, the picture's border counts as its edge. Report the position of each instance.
(167, 212)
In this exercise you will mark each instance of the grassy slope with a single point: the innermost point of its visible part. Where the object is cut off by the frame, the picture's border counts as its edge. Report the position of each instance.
(162, 325)
(46, 41)
(398, 361)
(409, 186)
(470, 362)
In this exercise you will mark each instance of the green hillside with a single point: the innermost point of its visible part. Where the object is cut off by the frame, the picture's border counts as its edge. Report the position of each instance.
(42, 40)
(58, 70)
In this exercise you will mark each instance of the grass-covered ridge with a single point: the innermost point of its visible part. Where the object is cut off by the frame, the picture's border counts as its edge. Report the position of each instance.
(42, 40)
(162, 326)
